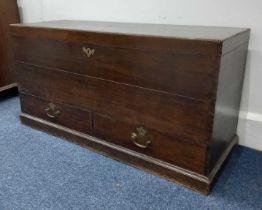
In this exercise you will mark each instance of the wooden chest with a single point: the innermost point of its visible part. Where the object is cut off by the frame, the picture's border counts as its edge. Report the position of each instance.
(8, 14)
(160, 97)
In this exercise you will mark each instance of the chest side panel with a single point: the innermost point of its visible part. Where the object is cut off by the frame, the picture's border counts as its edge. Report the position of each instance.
(229, 91)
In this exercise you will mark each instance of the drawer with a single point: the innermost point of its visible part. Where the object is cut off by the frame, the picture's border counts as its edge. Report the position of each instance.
(176, 116)
(147, 141)
(190, 75)
(68, 116)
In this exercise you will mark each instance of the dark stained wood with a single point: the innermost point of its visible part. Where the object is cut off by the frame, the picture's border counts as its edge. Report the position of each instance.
(175, 116)
(181, 46)
(181, 176)
(229, 93)
(190, 179)
(189, 75)
(212, 33)
(162, 98)
(8, 14)
(187, 155)
(223, 156)
(8, 91)
(69, 116)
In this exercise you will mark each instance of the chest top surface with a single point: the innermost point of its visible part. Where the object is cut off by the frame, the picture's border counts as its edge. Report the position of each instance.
(212, 33)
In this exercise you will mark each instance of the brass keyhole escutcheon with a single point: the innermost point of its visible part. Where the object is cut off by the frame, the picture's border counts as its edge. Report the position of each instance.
(51, 110)
(88, 51)
(140, 137)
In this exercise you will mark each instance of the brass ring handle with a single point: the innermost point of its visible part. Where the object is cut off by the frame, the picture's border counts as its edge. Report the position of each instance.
(88, 51)
(140, 137)
(143, 146)
(54, 115)
(52, 111)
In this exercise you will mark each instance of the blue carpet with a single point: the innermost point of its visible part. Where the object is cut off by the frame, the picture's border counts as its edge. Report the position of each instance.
(40, 171)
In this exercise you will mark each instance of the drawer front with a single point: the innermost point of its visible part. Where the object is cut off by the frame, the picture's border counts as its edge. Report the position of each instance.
(175, 116)
(190, 75)
(68, 116)
(147, 141)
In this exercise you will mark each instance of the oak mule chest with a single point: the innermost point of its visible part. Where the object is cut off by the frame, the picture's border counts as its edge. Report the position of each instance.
(163, 98)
